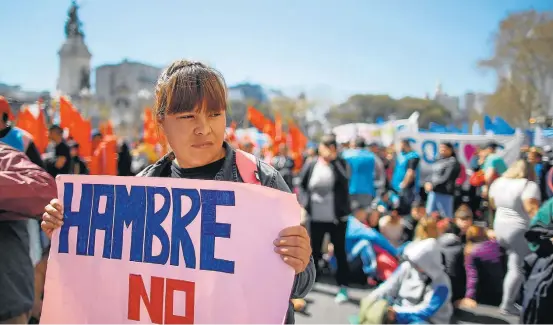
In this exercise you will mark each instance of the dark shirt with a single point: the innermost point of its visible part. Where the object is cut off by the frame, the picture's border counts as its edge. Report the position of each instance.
(31, 152)
(16, 272)
(78, 166)
(61, 150)
(413, 163)
(124, 161)
(284, 165)
(409, 225)
(206, 172)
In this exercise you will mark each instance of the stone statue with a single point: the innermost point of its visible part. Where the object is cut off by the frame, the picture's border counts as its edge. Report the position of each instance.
(73, 24)
(85, 79)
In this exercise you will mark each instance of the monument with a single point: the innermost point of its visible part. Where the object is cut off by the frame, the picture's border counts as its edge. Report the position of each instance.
(74, 75)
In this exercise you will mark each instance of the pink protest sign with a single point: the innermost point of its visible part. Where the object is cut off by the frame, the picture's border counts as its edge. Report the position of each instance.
(172, 251)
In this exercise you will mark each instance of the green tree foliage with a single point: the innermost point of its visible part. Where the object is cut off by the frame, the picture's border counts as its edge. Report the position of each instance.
(368, 108)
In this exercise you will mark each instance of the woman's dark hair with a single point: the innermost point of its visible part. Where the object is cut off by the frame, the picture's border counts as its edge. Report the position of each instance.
(406, 143)
(187, 85)
(56, 128)
(360, 142)
(449, 145)
(329, 140)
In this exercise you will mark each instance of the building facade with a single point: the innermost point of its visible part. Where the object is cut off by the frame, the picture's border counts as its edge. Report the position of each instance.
(126, 88)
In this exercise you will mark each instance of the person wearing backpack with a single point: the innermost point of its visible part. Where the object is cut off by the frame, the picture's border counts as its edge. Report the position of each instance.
(190, 108)
(537, 294)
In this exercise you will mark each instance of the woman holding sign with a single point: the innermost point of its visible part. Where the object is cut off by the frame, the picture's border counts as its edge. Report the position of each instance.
(190, 109)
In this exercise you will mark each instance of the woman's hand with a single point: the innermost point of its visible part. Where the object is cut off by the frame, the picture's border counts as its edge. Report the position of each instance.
(428, 187)
(52, 217)
(294, 247)
(391, 315)
(466, 303)
(491, 234)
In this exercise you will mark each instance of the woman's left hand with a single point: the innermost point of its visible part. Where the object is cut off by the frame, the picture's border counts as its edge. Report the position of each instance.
(294, 246)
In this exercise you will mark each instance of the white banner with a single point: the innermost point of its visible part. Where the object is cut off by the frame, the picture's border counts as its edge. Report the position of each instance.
(381, 133)
(466, 145)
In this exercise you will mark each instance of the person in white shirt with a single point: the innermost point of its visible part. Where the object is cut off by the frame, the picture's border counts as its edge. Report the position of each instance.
(516, 198)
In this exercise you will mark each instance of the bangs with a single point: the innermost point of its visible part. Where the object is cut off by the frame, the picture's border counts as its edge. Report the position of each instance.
(195, 90)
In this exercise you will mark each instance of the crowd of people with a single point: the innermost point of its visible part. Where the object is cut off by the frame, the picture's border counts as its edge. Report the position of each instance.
(428, 246)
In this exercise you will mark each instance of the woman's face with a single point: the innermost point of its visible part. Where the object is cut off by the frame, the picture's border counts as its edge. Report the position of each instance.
(195, 137)
(444, 151)
(463, 224)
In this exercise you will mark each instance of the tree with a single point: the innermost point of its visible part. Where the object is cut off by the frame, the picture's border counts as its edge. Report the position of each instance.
(429, 110)
(522, 60)
(509, 102)
(368, 108)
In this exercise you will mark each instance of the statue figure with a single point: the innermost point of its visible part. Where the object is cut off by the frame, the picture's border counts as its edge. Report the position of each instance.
(73, 24)
(85, 79)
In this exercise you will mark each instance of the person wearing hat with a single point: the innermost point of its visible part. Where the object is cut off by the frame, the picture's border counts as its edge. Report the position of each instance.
(16, 137)
(493, 165)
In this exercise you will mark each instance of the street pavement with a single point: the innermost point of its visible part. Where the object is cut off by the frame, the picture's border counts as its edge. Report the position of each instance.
(321, 309)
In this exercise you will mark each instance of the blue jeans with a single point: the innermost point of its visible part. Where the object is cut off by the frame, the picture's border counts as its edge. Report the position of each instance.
(443, 203)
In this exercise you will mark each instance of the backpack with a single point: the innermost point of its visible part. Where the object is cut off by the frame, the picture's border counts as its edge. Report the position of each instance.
(248, 167)
(538, 291)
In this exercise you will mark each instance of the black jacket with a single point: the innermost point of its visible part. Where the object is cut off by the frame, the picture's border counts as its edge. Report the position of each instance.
(269, 177)
(341, 187)
(453, 253)
(444, 174)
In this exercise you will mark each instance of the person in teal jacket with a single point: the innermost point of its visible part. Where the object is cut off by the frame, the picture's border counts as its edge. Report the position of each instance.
(405, 178)
(361, 164)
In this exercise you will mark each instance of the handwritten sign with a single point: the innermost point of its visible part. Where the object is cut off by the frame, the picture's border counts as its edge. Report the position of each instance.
(168, 251)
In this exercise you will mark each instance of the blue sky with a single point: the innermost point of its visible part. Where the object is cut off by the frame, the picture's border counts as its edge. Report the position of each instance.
(329, 48)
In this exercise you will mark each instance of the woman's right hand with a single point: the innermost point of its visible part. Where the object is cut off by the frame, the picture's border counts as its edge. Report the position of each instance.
(52, 217)
(466, 303)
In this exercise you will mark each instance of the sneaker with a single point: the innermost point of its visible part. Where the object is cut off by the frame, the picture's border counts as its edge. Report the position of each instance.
(341, 296)
(511, 311)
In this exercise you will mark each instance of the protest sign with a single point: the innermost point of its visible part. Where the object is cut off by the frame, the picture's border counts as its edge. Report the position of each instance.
(168, 251)
(426, 144)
